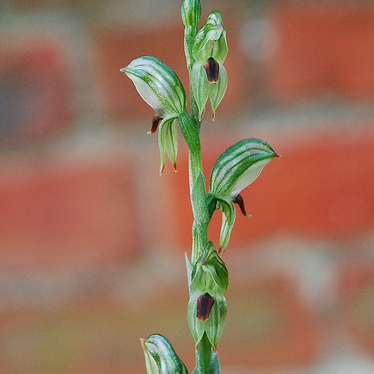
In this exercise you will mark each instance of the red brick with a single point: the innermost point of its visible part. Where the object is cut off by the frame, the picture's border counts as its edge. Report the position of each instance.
(356, 293)
(323, 48)
(268, 326)
(321, 186)
(34, 91)
(117, 47)
(60, 213)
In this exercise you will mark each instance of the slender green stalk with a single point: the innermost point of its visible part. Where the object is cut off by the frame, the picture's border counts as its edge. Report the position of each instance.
(203, 356)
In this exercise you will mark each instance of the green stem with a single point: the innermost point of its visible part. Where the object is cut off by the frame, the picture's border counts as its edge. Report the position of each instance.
(203, 356)
(198, 201)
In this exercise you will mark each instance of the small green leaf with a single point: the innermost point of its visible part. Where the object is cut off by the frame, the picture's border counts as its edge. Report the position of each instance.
(215, 367)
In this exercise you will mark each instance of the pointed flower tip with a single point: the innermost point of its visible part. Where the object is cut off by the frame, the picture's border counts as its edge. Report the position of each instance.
(277, 154)
(175, 167)
(142, 342)
(123, 70)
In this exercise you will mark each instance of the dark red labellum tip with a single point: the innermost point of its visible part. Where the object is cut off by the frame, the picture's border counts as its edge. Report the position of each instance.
(239, 200)
(205, 303)
(211, 67)
(155, 122)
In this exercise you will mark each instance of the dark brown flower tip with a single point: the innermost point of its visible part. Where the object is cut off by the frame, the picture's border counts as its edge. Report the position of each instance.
(205, 303)
(211, 67)
(155, 122)
(239, 200)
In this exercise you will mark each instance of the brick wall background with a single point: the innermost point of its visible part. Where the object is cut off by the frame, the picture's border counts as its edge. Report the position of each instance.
(92, 240)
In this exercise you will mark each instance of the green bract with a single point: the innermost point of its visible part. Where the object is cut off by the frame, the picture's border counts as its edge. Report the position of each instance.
(208, 76)
(160, 357)
(234, 170)
(191, 12)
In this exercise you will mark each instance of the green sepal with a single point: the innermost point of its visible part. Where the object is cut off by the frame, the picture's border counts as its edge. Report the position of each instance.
(200, 86)
(160, 356)
(218, 90)
(239, 166)
(168, 141)
(228, 220)
(158, 85)
(197, 328)
(216, 322)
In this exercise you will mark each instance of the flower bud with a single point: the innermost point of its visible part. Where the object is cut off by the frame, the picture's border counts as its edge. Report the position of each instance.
(191, 12)
(210, 273)
(212, 319)
(158, 85)
(211, 40)
(160, 357)
(208, 76)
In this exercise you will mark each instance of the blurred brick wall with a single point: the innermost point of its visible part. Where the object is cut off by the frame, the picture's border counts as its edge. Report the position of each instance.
(92, 239)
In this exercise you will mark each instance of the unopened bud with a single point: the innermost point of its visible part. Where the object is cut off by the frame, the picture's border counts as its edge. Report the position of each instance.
(160, 357)
(211, 40)
(191, 12)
